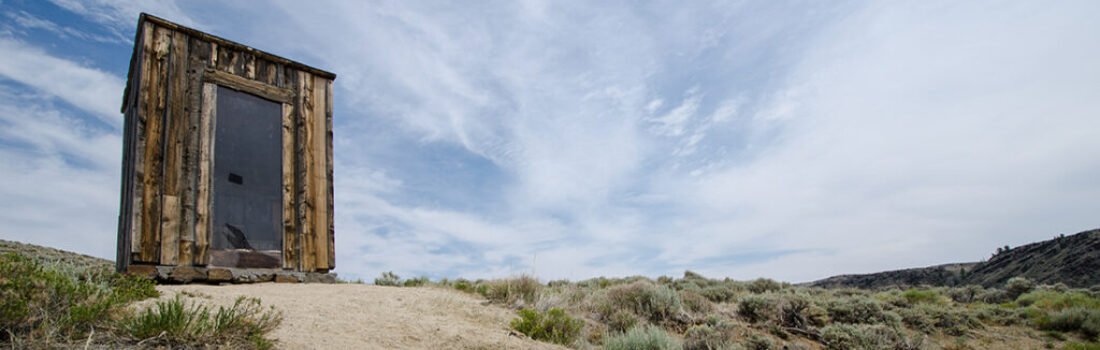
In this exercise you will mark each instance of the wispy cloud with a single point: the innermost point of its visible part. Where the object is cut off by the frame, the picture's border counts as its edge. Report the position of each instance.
(83, 87)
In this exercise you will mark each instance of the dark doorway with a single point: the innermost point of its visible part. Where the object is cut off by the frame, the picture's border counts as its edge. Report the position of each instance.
(247, 181)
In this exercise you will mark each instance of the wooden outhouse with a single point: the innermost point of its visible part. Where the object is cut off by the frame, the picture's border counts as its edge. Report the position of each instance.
(227, 160)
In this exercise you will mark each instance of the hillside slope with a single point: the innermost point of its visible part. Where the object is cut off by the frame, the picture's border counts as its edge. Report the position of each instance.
(1072, 260)
(47, 254)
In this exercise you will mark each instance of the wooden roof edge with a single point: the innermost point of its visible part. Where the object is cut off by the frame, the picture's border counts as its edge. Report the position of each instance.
(235, 45)
(215, 39)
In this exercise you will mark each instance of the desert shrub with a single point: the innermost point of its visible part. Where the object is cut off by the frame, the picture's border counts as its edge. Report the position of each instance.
(793, 310)
(175, 322)
(993, 296)
(59, 302)
(757, 308)
(965, 294)
(1001, 316)
(621, 320)
(461, 284)
(694, 302)
(917, 319)
(1076, 319)
(1082, 346)
(719, 293)
(417, 282)
(842, 336)
(860, 310)
(388, 279)
(758, 342)
(916, 296)
(512, 291)
(645, 299)
(642, 338)
(949, 320)
(1050, 300)
(764, 285)
(553, 326)
(705, 337)
(1017, 286)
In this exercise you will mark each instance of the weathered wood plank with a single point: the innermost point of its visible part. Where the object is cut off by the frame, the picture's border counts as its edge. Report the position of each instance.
(320, 171)
(249, 86)
(154, 118)
(189, 165)
(207, 118)
(249, 66)
(170, 228)
(139, 111)
(290, 233)
(331, 195)
(227, 61)
(200, 51)
(175, 130)
(306, 192)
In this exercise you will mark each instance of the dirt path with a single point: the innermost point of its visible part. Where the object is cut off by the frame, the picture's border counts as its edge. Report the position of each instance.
(356, 316)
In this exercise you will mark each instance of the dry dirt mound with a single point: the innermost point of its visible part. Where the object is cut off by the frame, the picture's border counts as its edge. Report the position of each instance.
(356, 316)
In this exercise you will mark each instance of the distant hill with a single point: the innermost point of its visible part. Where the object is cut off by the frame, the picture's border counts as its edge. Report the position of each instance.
(1073, 260)
(47, 254)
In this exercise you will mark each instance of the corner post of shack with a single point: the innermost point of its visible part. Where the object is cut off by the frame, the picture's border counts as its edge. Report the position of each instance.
(227, 162)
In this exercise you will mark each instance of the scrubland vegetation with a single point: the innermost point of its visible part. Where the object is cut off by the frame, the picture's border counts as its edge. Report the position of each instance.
(60, 304)
(693, 312)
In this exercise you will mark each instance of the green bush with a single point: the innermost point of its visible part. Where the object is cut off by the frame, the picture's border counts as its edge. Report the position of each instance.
(694, 302)
(719, 293)
(60, 302)
(1076, 319)
(388, 279)
(764, 285)
(916, 296)
(795, 311)
(1001, 316)
(949, 320)
(758, 342)
(642, 338)
(1080, 346)
(860, 310)
(966, 294)
(621, 320)
(175, 322)
(1017, 286)
(757, 308)
(553, 326)
(842, 336)
(1050, 300)
(654, 302)
(706, 337)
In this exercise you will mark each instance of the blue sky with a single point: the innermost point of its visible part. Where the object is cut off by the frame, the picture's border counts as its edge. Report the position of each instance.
(786, 139)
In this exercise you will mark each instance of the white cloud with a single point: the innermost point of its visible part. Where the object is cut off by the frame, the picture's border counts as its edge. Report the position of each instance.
(60, 177)
(911, 144)
(86, 88)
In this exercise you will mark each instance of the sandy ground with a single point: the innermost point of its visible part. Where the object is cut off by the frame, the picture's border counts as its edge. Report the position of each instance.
(356, 316)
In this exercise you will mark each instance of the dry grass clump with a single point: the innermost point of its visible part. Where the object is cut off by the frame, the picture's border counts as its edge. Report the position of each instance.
(177, 323)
